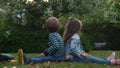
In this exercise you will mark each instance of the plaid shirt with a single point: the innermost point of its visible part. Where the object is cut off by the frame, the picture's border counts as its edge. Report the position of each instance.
(56, 46)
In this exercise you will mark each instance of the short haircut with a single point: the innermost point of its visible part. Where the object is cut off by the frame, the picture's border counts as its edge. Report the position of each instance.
(52, 24)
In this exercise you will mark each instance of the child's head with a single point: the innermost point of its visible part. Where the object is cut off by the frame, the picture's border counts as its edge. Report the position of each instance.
(52, 24)
(73, 26)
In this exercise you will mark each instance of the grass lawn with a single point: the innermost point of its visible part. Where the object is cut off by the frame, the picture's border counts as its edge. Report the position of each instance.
(100, 54)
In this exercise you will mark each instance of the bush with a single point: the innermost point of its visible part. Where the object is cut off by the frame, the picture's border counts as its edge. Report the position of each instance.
(31, 40)
(22, 24)
(86, 43)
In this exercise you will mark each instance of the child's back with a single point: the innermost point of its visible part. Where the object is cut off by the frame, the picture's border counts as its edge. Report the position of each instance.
(55, 51)
(56, 41)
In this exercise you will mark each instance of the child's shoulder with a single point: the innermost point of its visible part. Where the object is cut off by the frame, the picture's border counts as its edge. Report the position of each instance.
(54, 34)
(76, 36)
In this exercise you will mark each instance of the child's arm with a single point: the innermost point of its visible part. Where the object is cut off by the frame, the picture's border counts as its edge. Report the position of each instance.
(42, 54)
(53, 47)
(84, 54)
(75, 47)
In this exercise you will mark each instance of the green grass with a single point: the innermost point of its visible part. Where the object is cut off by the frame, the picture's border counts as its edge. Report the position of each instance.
(99, 54)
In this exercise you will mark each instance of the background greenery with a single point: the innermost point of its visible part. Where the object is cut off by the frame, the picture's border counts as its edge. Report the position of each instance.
(22, 22)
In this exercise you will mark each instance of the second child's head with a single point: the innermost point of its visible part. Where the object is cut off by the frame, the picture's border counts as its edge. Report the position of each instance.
(52, 24)
(73, 26)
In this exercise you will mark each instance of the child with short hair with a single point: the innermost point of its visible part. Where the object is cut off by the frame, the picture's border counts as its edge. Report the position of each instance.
(73, 46)
(55, 51)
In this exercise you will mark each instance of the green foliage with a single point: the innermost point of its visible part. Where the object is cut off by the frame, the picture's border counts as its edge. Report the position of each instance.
(22, 22)
(31, 40)
(22, 26)
(108, 33)
(86, 43)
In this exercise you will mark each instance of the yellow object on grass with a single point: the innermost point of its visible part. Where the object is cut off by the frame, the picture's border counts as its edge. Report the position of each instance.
(20, 58)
